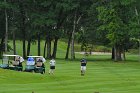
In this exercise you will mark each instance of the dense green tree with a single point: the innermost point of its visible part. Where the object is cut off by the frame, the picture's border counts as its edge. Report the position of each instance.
(111, 23)
(116, 21)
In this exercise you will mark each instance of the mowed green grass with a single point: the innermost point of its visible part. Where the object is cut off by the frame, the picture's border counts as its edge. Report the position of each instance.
(102, 75)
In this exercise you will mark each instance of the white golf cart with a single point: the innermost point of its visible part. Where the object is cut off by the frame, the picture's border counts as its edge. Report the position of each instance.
(35, 64)
(12, 62)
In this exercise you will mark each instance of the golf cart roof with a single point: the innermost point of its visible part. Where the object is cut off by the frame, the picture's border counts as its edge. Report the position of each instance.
(10, 55)
(35, 56)
(6, 58)
(43, 59)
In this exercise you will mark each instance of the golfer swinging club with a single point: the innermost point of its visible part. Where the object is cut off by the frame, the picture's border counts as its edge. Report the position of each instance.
(83, 66)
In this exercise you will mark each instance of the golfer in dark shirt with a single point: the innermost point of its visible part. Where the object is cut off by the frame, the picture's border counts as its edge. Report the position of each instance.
(83, 66)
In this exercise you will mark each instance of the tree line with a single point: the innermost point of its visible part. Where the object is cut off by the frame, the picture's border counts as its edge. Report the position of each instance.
(113, 23)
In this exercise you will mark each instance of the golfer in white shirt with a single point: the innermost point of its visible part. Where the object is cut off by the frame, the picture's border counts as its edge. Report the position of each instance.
(52, 66)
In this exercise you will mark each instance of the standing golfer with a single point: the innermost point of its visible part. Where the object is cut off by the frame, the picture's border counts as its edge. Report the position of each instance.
(52, 66)
(83, 66)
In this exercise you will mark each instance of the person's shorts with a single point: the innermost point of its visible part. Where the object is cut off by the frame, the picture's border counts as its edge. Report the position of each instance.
(52, 67)
(83, 68)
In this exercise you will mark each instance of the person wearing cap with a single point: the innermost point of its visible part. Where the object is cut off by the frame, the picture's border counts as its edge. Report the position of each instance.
(83, 66)
(52, 66)
(30, 61)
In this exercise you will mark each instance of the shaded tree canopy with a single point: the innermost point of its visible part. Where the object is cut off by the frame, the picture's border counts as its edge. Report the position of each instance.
(106, 22)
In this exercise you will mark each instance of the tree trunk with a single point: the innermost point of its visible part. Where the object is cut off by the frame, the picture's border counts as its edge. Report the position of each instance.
(113, 54)
(14, 43)
(68, 47)
(45, 48)
(123, 53)
(24, 48)
(28, 47)
(55, 47)
(38, 44)
(90, 50)
(72, 40)
(2, 46)
(137, 14)
(48, 47)
(117, 53)
(6, 29)
(139, 48)
(22, 12)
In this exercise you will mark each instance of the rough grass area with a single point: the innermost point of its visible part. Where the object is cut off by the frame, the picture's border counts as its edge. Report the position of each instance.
(102, 75)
